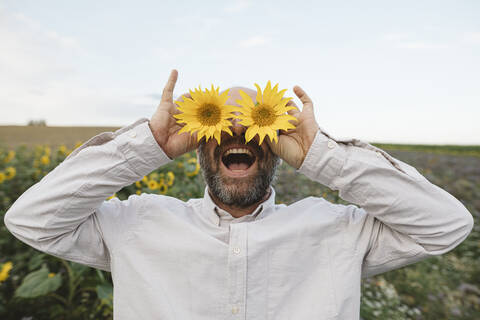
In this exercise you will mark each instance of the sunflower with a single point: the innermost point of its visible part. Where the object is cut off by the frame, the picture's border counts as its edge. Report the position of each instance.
(152, 184)
(10, 172)
(63, 149)
(162, 187)
(45, 160)
(6, 267)
(192, 164)
(206, 112)
(10, 156)
(267, 115)
(170, 178)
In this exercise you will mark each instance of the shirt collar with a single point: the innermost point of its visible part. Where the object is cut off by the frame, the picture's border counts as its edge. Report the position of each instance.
(212, 212)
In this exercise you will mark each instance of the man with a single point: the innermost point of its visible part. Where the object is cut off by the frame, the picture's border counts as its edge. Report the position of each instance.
(235, 254)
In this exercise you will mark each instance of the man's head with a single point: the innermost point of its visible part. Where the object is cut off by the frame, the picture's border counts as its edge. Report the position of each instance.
(237, 174)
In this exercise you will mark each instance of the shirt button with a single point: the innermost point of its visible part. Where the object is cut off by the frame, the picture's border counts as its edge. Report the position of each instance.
(133, 134)
(236, 250)
(234, 309)
(331, 144)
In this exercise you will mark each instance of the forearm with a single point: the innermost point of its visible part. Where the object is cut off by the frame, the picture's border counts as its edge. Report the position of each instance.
(67, 195)
(389, 189)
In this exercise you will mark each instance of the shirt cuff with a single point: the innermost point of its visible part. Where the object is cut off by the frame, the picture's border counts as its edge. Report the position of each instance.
(142, 151)
(324, 160)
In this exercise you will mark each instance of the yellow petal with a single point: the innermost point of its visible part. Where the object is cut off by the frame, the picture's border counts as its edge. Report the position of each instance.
(282, 125)
(229, 108)
(272, 134)
(224, 97)
(211, 130)
(280, 94)
(262, 131)
(244, 105)
(246, 122)
(261, 136)
(267, 93)
(286, 117)
(251, 132)
(247, 99)
(272, 95)
(227, 130)
(217, 136)
(199, 136)
(286, 109)
(281, 103)
(259, 93)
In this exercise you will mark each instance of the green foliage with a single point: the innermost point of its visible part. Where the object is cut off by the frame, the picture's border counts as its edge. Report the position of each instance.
(380, 300)
(38, 283)
(443, 287)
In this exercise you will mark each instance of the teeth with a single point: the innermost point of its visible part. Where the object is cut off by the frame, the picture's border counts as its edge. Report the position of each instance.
(238, 150)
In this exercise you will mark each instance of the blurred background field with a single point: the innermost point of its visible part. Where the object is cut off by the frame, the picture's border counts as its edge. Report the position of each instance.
(37, 286)
(52, 136)
(385, 71)
(14, 136)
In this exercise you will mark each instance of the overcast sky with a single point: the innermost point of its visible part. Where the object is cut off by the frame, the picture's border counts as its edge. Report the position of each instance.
(381, 71)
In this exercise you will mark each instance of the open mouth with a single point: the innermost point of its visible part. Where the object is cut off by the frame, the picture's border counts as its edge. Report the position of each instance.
(238, 160)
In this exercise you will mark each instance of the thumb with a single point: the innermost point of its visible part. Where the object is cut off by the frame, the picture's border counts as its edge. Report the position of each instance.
(167, 95)
(306, 101)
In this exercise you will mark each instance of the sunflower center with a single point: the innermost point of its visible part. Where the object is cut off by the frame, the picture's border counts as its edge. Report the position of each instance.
(209, 114)
(263, 115)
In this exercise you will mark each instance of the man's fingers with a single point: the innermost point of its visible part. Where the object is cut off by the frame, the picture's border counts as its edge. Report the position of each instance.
(167, 94)
(292, 112)
(292, 103)
(302, 95)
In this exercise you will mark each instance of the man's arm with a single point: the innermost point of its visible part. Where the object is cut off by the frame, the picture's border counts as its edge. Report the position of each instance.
(403, 217)
(65, 214)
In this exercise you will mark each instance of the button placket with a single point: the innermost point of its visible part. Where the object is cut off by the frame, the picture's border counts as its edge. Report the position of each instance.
(237, 269)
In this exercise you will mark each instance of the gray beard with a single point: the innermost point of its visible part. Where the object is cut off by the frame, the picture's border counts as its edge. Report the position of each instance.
(238, 192)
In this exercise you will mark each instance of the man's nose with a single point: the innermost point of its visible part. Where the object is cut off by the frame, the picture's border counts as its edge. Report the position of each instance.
(237, 128)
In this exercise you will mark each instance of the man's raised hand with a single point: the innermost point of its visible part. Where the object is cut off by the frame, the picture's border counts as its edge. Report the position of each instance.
(294, 144)
(164, 126)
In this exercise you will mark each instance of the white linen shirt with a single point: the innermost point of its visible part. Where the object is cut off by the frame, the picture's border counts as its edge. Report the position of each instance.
(172, 259)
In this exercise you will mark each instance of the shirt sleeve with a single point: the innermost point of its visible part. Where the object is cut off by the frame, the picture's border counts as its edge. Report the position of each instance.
(66, 215)
(398, 217)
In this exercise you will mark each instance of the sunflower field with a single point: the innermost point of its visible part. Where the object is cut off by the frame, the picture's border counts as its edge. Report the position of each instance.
(34, 285)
